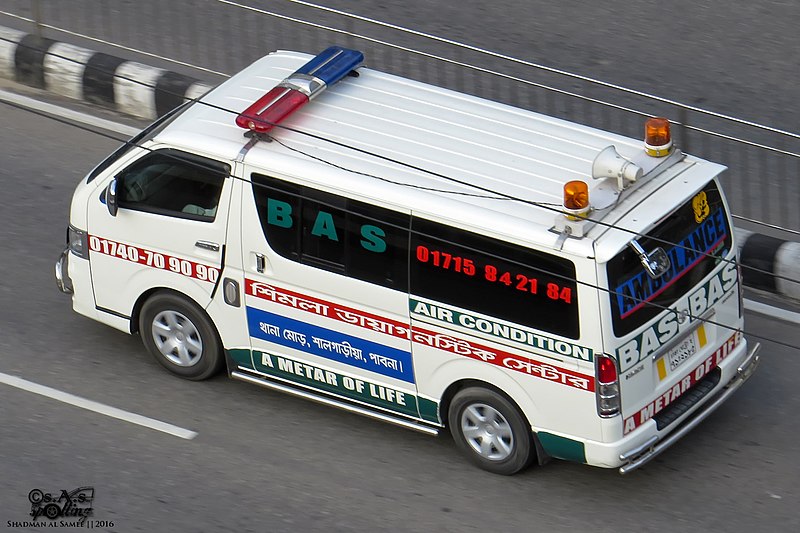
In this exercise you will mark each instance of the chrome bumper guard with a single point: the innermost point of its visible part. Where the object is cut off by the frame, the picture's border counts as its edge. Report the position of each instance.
(644, 453)
(62, 273)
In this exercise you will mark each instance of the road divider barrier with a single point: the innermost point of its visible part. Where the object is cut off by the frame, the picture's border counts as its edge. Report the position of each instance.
(770, 264)
(126, 86)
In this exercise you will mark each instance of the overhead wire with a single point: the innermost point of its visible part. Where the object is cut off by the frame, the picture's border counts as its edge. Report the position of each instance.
(489, 191)
(523, 62)
(766, 225)
(435, 237)
(505, 57)
(467, 66)
(381, 178)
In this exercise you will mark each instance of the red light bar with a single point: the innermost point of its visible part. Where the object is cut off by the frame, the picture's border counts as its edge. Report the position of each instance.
(294, 92)
(271, 109)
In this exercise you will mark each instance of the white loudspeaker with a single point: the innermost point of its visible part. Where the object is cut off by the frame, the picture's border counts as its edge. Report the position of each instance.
(609, 164)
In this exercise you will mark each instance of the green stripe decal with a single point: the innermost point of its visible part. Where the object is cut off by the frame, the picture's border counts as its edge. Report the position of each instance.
(562, 447)
(429, 410)
(241, 357)
(342, 385)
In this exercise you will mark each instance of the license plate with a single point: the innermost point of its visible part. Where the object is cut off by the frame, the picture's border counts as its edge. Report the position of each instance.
(681, 353)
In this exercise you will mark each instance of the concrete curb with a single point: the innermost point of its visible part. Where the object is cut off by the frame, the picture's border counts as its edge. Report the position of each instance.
(778, 259)
(126, 86)
(148, 92)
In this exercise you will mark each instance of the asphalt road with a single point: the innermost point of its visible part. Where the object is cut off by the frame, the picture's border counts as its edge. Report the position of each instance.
(738, 58)
(732, 57)
(268, 462)
(735, 57)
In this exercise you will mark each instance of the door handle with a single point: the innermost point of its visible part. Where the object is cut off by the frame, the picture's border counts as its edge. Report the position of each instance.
(207, 245)
(261, 263)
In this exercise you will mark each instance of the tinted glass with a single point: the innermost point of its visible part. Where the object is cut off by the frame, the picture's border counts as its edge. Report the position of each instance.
(333, 232)
(494, 278)
(173, 183)
(696, 237)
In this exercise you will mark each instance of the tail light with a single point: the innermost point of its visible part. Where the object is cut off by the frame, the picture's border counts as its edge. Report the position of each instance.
(608, 398)
(741, 287)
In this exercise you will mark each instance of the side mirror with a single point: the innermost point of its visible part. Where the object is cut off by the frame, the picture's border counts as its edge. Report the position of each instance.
(111, 197)
(656, 263)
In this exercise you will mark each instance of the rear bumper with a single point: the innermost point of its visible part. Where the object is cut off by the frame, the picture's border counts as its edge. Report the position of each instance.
(643, 453)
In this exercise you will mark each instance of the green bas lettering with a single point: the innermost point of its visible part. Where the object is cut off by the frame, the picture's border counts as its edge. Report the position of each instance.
(324, 225)
(373, 238)
(279, 213)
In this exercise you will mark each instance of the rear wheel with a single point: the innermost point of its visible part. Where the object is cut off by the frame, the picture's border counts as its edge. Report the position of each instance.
(490, 431)
(180, 336)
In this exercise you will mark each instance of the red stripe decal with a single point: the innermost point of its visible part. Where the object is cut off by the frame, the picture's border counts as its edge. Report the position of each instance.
(417, 335)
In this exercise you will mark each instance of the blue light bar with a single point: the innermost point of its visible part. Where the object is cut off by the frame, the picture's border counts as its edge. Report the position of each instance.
(328, 67)
(332, 64)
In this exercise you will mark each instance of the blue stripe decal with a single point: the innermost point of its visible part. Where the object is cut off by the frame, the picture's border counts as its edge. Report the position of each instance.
(330, 344)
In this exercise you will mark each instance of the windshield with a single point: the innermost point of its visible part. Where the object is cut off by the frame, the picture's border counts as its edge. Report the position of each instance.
(696, 237)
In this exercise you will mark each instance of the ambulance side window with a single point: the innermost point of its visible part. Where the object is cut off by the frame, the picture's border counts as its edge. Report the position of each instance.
(494, 278)
(173, 183)
(333, 232)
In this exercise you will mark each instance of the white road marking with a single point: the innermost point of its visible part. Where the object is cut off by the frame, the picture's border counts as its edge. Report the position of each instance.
(771, 310)
(96, 407)
(68, 114)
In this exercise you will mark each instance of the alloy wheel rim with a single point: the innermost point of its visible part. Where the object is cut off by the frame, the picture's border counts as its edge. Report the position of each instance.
(177, 338)
(487, 432)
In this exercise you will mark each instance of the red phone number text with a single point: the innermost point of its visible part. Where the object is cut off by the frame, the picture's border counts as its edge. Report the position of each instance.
(491, 273)
(142, 256)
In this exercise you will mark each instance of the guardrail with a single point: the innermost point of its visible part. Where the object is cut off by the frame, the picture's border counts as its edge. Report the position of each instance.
(227, 35)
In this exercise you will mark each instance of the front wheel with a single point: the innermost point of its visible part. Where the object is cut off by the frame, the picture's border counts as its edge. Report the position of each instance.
(490, 431)
(180, 336)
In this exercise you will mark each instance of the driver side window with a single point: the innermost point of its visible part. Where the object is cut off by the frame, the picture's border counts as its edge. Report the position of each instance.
(173, 183)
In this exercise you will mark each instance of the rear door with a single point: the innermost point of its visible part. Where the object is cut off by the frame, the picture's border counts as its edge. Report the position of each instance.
(668, 328)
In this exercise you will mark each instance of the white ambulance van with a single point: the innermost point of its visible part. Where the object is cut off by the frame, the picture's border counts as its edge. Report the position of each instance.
(424, 257)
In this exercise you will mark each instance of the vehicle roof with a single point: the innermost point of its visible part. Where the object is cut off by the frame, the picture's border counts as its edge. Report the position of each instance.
(442, 153)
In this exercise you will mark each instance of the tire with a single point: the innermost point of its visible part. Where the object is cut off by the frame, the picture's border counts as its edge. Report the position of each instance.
(490, 431)
(180, 336)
